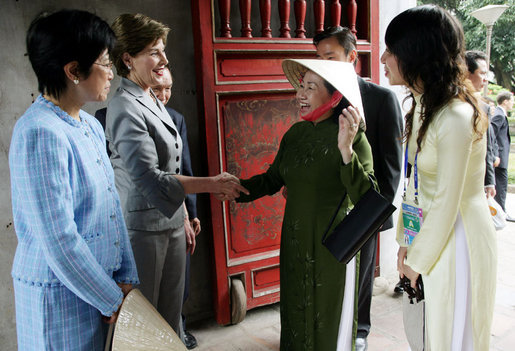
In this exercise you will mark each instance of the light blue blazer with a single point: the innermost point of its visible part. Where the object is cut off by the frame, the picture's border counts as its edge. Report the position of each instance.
(73, 245)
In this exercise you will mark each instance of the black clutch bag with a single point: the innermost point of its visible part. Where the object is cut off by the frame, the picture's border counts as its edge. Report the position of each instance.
(363, 221)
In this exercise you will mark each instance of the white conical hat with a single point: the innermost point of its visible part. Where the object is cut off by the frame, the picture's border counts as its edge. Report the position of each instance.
(341, 75)
(141, 328)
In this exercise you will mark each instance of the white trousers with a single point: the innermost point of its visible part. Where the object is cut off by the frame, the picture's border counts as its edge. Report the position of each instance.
(345, 340)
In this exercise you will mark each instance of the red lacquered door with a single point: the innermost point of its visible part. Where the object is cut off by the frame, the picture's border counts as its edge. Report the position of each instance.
(247, 105)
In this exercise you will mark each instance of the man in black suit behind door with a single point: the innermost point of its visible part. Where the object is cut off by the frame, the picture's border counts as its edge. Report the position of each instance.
(384, 133)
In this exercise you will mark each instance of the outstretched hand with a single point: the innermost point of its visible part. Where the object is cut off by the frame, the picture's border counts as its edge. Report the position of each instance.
(228, 187)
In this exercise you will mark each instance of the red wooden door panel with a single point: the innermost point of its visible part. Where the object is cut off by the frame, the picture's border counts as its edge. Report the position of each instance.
(255, 227)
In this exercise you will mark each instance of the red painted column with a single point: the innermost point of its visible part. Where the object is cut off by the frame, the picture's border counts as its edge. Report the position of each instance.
(265, 8)
(336, 13)
(245, 8)
(224, 6)
(300, 16)
(319, 11)
(352, 11)
(284, 15)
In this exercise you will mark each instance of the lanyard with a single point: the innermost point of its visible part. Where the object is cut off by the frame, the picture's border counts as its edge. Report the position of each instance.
(406, 176)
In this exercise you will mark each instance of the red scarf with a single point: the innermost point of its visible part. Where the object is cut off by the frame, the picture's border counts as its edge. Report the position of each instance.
(321, 110)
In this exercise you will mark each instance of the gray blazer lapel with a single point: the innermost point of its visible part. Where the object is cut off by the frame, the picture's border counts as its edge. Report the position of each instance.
(157, 109)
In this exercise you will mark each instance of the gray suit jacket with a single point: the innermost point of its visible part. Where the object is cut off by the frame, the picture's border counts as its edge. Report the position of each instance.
(146, 154)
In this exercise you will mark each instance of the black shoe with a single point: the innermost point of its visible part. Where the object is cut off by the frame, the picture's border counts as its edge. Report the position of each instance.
(399, 289)
(189, 340)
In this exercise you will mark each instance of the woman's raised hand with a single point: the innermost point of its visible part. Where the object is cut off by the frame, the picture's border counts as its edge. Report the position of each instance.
(228, 187)
(348, 122)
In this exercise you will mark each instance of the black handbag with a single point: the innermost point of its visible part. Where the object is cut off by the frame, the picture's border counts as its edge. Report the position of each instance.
(413, 294)
(363, 221)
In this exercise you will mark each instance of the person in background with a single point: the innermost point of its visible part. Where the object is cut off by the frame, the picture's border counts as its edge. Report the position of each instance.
(146, 153)
(100, 115)
(384, 133)
(477, 74)
(74, 262)
(192, 227)
(502, 134)
(453, 248)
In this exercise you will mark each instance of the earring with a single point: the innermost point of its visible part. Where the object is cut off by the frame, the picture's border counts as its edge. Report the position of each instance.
(76, 81)
(129, 67)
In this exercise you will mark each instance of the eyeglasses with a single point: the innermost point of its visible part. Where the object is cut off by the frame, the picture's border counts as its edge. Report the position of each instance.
(108, 65)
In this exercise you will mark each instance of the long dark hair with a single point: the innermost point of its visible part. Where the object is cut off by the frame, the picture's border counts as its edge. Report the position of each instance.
(429, 46)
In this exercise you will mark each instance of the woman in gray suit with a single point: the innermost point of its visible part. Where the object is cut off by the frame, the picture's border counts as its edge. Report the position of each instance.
(146, 156)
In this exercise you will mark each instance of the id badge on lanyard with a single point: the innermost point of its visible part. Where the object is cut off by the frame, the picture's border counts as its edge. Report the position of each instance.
(411, 214)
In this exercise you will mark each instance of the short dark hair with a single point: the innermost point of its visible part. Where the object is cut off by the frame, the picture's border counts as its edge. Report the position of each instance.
(503, 96)
(54, 40)
(471, 57)
(133, 33)
(344, 35)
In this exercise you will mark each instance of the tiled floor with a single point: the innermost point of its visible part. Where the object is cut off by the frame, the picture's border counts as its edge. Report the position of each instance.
(261, 328)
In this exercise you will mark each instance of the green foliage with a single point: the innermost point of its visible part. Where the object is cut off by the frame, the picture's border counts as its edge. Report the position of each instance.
(493, 90)
(502, 56)
(511, 169)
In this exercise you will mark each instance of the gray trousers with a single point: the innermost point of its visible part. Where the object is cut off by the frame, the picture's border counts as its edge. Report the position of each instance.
(161, 261)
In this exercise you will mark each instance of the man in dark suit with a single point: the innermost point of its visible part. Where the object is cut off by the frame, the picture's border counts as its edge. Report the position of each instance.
(384, 133)
(477, 74)
(502, 134)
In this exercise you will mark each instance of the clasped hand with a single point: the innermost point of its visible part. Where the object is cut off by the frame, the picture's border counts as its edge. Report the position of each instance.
(228, 187)
(126, 288)
(404, 269)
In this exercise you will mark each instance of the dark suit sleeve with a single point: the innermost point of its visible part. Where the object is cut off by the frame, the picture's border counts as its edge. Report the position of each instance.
(390, 144)
(494, 144)
(100, 115)
(490, 156)
(387, 144)
(180, 123)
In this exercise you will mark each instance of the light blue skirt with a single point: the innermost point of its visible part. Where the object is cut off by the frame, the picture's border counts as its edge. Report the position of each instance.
(54, 318)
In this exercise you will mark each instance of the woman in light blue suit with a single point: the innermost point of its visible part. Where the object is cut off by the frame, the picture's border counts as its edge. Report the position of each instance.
(74, 262)
(146, 151)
